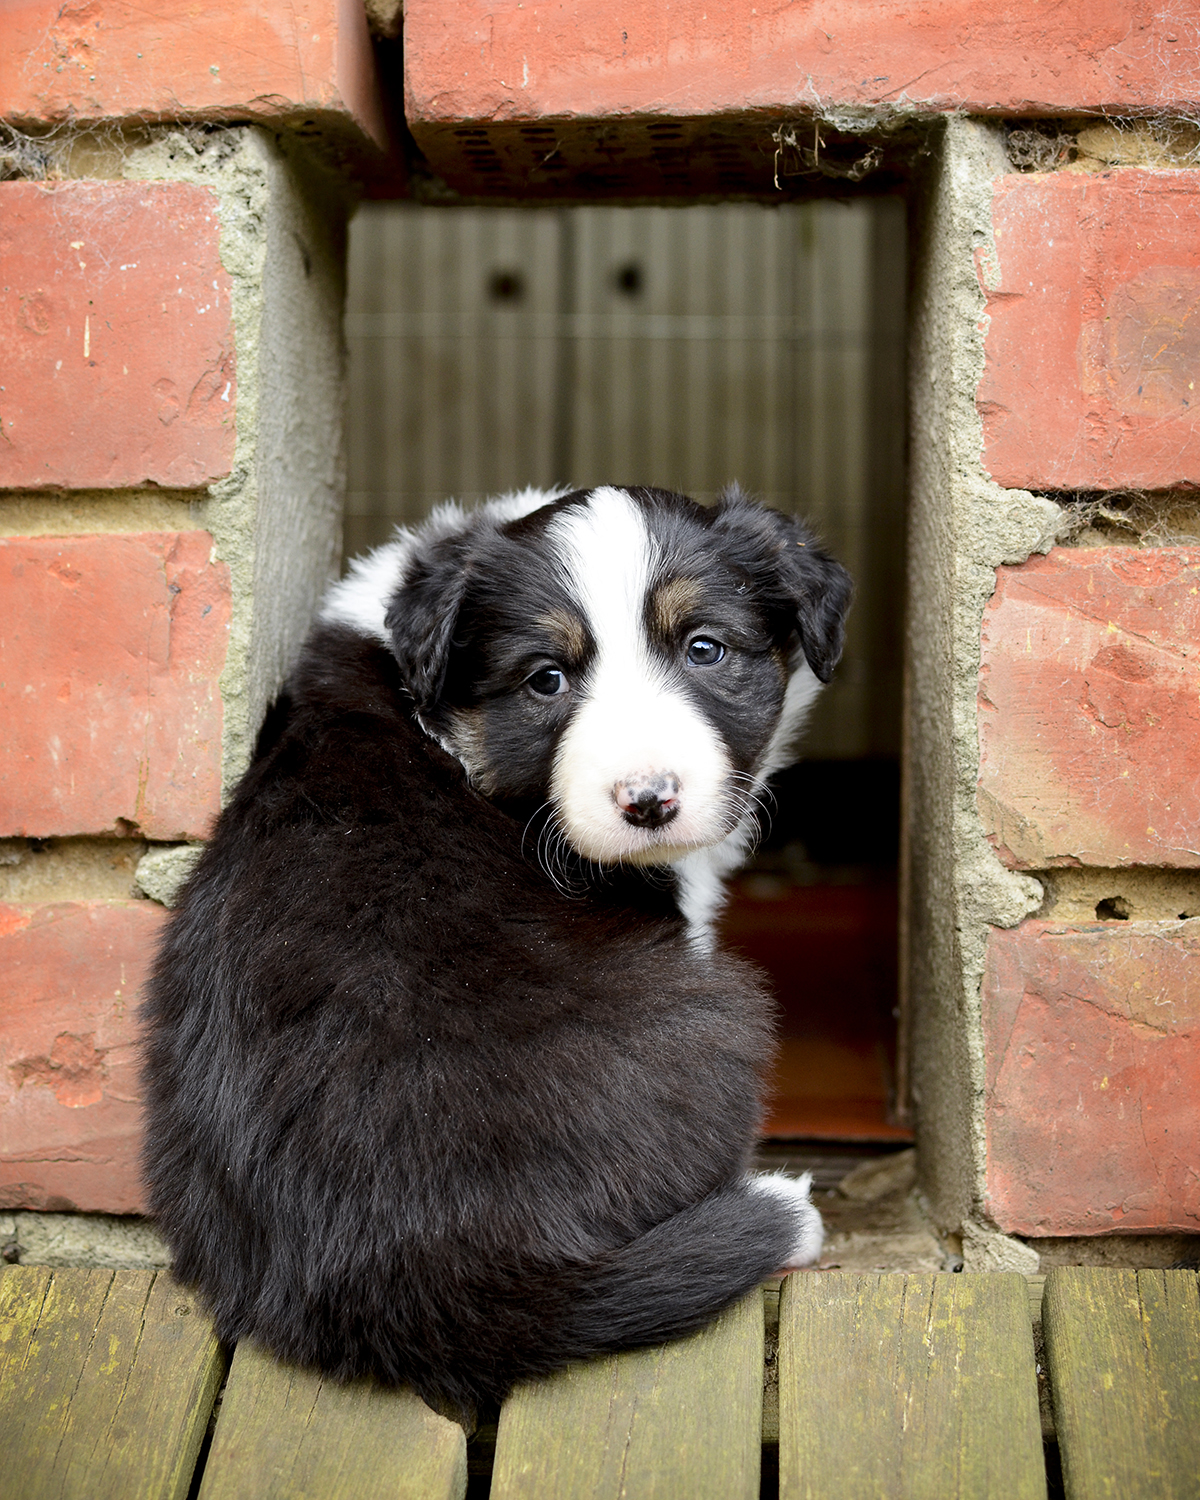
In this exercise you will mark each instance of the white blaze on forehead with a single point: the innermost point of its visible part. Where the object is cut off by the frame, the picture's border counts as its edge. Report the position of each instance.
(608, 556)
(630, 721)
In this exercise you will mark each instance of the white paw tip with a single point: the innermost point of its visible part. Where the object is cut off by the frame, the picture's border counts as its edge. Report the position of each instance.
(794, 1191)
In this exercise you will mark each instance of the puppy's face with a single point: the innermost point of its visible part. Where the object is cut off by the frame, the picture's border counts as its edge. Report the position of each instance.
(628, 657)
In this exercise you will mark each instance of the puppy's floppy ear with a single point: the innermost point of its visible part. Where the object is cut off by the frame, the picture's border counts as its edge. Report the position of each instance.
(423, 612)
(793, 575)
(820, 590)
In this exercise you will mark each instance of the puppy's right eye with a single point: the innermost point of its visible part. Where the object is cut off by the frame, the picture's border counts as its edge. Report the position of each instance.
(704, 652)
(548, 682)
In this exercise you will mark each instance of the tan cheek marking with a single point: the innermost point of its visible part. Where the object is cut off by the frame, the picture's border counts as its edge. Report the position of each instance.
(467, 738)
(569, 630)
(674, 602)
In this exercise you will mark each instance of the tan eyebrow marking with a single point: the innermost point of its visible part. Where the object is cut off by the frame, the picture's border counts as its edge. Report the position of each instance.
(673, 602)
(569, 630)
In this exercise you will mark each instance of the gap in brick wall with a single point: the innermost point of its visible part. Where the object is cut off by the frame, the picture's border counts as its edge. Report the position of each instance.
(80, 513)
(1134, 895)
(687, 347)
(1089, 144)
(69, 869)
(1128, 518)
(64, 149)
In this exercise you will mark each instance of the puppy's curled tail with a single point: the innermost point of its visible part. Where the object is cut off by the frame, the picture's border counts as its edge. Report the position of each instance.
(669, 1282)
(675, 1278)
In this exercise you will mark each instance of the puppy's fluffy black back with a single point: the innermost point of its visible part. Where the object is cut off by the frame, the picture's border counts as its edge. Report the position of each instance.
(411, 1111)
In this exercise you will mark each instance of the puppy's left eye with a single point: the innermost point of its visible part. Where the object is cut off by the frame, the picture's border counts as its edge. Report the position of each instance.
(548, 682)
(704, 652)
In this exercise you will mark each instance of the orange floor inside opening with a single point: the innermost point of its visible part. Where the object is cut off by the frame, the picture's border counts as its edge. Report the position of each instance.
(830, 951)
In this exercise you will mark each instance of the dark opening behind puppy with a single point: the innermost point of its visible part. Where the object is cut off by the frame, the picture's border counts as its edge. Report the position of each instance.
(445, 1081)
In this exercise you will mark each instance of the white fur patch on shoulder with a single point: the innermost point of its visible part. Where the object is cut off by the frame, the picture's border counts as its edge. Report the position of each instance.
(798, 699)
(520, 503)
(794, 1192)
(360, 600)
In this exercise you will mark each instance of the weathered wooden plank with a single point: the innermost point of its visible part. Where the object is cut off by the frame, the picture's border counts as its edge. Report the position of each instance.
(289, 1432)
(683, 1419)
(107, 1379)
(921, 1387)
(1124, 1354)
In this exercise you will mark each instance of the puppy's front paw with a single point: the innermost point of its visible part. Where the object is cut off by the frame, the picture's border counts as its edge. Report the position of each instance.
(794, 1191)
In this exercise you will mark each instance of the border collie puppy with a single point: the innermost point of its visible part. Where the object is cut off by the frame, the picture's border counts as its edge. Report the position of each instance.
(445, 1081)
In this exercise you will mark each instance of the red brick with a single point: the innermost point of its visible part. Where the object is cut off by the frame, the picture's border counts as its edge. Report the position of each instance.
(1093, 345)
(488, 62)
(110, 650)
(70, 1122)
(117, 328)
(1092, 1040)
(155, 60)
(1089, 709)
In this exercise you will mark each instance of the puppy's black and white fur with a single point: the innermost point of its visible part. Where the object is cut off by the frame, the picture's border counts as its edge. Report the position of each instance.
(446, 1082)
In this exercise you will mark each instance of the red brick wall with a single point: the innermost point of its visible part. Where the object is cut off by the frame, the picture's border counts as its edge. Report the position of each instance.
(119, 371)
(110, 60)
(1089, 709)
(117, 327)
(1093, 1077)
(112, 652)
(119, 413)
(69, 1116)
(1089, 702)
(1093, 347)
(119, 376)
(487, 59)
(499, 94)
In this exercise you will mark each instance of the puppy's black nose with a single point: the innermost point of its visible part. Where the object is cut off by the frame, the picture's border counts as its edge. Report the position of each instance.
(648, 803)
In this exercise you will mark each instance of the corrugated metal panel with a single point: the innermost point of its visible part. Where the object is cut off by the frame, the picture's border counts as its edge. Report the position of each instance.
(683, 347)
(451, 387)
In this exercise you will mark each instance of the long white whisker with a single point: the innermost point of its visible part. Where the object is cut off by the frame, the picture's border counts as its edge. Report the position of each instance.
(750, 796)
(528, 825)
(747, 809)
(556, 853)
(546, 852)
